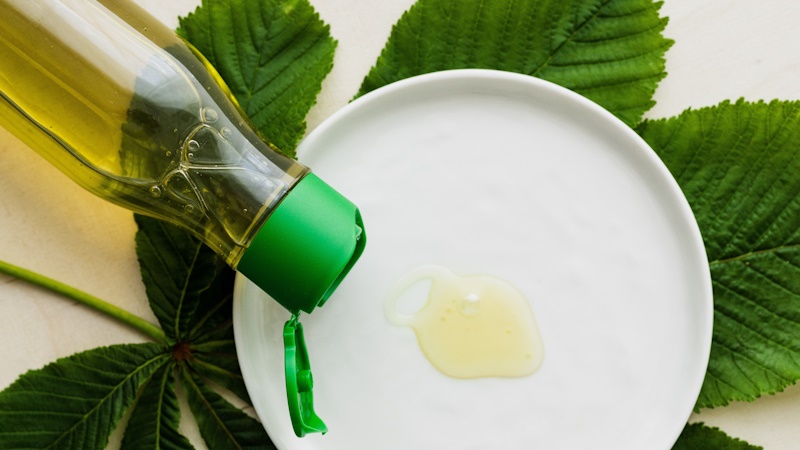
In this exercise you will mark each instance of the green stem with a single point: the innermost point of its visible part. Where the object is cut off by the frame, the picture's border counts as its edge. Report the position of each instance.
(91, 301)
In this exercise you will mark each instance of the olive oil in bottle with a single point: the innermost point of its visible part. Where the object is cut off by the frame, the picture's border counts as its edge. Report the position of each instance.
(134, 114)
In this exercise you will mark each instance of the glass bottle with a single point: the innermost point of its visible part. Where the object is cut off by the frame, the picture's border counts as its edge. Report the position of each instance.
(131, 112)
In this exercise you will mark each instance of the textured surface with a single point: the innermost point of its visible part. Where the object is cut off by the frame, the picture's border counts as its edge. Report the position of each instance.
(610, 51)
(88, 392)
(737, 165)
(154, 422)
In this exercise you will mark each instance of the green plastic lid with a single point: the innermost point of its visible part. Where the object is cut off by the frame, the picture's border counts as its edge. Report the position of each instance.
(299, 256)
(299, 382)
(306, 246)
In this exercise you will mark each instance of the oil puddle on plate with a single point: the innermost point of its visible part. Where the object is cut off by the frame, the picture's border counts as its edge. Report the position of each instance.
(506, 180)
(470, 326)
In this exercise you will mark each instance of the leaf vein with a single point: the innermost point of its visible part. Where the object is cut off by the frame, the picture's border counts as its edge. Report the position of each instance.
(577, 28)
(700, 147)
(211, 410)
(717, 167)
(103, 401)
(612, 84)
(748, 326)
(772, 137)
(184, 289)
(737, 354)
(625, 36)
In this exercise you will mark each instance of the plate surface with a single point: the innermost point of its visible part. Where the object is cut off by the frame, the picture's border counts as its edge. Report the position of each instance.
(501, 174)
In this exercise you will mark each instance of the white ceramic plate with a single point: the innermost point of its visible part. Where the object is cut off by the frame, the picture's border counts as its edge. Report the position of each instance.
(501, 174)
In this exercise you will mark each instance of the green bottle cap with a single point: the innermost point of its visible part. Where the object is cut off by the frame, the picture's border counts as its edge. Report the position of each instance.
(306, 246)
(299, 256)
(299, 382)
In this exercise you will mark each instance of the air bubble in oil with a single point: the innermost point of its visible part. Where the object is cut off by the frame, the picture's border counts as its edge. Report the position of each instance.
(470, 305)
(155, 191)
(209, 115)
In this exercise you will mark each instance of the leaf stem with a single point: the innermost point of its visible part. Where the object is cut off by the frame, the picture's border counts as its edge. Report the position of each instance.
(89, 300)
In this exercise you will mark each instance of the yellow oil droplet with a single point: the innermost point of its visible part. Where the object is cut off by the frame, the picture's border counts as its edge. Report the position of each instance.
(490, 330)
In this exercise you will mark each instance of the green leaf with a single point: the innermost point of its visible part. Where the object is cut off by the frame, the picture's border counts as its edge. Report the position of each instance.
(177, 270)
(77, 401)
(697, 436)
(738, 166)
(610, 51)
(214, 312)
(154, 422)
(273, 54)
(221, 424)
(218, 361)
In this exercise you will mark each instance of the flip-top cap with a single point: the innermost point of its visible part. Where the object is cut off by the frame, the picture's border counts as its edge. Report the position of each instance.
(306, 246)
(299, 381)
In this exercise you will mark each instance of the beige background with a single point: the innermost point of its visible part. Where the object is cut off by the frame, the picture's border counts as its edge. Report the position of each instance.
(725, 49)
